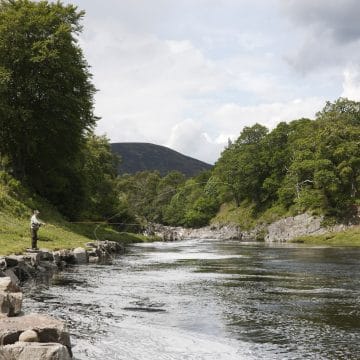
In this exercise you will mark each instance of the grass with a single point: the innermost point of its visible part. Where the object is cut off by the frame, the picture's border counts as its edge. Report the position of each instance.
(16, 205)
(350, 237)
(15, 235)
(245, 215)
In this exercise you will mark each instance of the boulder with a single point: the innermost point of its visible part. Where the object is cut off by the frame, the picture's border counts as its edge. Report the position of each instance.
(34, 351)
(3, 263)
(15, 303)
(14, 279)
(64, 255)
(7, 285)
(33, 258)
(29, 336)
(46, 255)
(47, 328)
(14, 260)
(10, 297)
(10, 303)
(80, 255)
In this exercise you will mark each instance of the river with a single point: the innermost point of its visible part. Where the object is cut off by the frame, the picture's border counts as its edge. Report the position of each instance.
(210, 299)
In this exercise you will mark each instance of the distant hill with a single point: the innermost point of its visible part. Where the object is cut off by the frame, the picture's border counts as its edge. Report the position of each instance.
(137, 157)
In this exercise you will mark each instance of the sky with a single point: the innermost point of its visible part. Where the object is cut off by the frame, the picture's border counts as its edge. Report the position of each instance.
(190, 74)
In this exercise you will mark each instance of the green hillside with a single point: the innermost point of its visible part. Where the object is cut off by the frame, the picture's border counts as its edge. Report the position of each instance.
(136, 157)
(16, 204)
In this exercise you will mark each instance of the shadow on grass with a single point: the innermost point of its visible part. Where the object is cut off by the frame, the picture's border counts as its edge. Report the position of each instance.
(45, 239)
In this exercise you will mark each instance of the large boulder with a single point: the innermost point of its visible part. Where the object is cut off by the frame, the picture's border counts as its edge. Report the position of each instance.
(34, 351)
(47, 328)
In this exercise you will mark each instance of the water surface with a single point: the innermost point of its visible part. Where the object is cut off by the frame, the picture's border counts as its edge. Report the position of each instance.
(209, 299)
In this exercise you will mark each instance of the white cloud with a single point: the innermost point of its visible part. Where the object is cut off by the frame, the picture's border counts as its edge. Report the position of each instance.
(191, 74)
(351, 84)
(234, 117)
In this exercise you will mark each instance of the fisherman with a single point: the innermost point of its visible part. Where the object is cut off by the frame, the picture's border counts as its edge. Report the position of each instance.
(35, 224)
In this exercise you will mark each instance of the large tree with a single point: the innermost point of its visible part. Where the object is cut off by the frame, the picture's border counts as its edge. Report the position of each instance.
(46, 96)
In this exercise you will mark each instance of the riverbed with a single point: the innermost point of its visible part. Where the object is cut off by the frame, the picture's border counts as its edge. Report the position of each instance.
(209, 299)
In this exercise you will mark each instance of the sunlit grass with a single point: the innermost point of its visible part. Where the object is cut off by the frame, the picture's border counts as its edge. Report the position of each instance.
(15, 212)
(350, 237)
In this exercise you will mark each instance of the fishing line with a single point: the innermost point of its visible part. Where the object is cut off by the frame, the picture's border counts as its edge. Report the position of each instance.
(163, 193)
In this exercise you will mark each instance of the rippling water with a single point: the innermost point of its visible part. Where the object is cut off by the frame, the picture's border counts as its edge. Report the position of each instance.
(206, 299)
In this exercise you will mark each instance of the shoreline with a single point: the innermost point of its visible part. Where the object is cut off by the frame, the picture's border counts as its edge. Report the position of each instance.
(304, 228)
(30, 336)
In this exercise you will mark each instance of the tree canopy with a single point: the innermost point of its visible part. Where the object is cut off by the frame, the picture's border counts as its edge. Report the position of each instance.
(46, 97)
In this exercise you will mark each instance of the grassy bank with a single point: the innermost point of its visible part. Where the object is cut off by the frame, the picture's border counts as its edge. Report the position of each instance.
(16, 205)
(350, 237)
(246, 215)
(247, 218)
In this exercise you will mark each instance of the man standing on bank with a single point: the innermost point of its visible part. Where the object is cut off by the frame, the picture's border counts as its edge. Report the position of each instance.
(35, 224)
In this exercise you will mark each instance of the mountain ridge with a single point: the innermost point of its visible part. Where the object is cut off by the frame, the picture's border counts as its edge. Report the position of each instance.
(142, 156)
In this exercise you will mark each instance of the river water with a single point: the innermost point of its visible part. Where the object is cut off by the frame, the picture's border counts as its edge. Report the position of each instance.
(210, 299)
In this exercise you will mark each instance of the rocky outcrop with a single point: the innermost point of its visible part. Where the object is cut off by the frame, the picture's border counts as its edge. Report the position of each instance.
(31, 336)
(283, 230)
(292, 227)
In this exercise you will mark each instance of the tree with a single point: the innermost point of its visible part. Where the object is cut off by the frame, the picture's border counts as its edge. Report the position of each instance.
(46, 97)
(99, 174)
(242, 166)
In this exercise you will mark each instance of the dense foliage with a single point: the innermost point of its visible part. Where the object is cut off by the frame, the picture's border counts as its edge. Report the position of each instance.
(46, 98)
(171, 200)
(303, 165)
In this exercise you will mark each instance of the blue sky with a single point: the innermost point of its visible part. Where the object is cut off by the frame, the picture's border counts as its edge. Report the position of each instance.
(191, 74)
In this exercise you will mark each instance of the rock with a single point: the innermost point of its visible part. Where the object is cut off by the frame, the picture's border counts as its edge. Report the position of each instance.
(93, 259)
(292, 227)
(14, 260)
(14, 279)
(33, 258)
(15, 303)
(10, 303)
(3, 264)
(47, 328)
(46, 255)
(80, 256)
(29, 336)
(64, 255)
(34, 351)
(6, 285)
(10, 297)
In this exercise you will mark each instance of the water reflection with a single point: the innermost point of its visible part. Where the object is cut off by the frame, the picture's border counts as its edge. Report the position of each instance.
(206, 299)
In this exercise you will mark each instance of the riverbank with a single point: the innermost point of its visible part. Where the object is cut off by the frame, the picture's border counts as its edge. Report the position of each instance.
(304, 228)
(36, 336)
